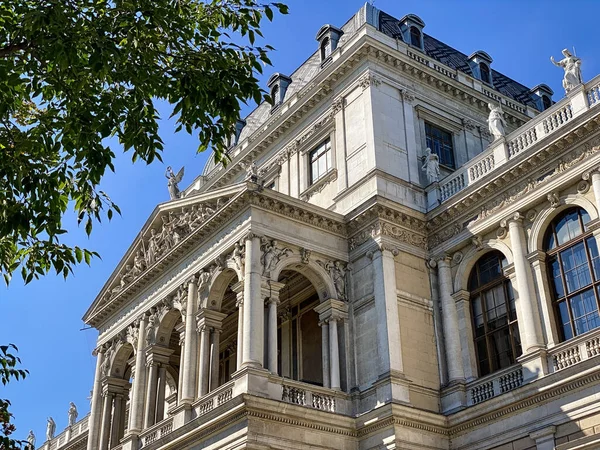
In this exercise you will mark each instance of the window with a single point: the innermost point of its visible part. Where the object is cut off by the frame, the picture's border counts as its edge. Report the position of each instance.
(325, 49)
(320, 161)
(415, 37)
(440, 142)
(275, 95)
(484, 71)
(574, 269)
(546, 102)
(495, 328)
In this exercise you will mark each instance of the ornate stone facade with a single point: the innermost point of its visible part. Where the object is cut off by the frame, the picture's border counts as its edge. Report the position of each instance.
(358, 302)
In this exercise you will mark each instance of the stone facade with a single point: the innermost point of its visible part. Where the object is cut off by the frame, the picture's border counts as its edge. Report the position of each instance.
(321, 292)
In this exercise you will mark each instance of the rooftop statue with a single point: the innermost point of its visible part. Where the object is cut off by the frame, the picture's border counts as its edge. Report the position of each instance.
(174, 181)
(496, 122)
(50, 429)
(31, 440)
(72, 414)
(572, 66)
(431, 166)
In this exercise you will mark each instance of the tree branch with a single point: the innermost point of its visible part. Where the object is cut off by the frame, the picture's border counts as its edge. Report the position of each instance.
(10, 49)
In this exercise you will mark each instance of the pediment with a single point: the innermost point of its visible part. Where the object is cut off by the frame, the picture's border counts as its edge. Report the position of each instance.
(171, 230)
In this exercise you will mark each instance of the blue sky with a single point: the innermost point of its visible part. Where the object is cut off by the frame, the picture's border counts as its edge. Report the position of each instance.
(44, 318)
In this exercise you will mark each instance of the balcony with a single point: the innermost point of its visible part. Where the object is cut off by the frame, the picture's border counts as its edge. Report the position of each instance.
(494, 384)
(69, 435)
(574, 351)
(537, 131)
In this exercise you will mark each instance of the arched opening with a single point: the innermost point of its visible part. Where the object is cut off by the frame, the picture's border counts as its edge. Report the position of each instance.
(415, 37)
(228, 346)
(275, 95)
(299, 336)
(574, 271)
(325, 49)
(119, 391)
(484, 71)
(495, 328)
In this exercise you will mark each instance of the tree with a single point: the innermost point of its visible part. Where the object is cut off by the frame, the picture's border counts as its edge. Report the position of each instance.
(8, 370)
(74, 73)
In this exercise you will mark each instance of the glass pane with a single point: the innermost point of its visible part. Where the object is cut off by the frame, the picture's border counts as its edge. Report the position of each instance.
(585, 217)
(501, 349)
(482, 357)
(516, 339)
(550, 241)
(562, 231)
(559, 290)
(322, 166)
(564, 320)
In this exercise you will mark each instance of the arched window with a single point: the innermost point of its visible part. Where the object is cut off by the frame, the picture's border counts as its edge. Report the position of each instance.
(495, 329)
(275, 95)
(546, 102)
(574, 268)
(415, 37)
(484, 71)
(325, 49)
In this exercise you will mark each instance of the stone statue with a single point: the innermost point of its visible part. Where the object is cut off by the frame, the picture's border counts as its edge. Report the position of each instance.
(572, 66)
(31, 440)
(271, 255)
(238, 256)
(174, 181)
(153, 248)
(50, 429)
(252, 172)
(496, 122)
(431, 166)
(139, 264)
(338, 275)
(72, 414)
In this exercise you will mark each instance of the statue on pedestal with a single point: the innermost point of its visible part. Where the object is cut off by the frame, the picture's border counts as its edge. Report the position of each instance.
(72, 414)
(496, 122)
(50, 429)
(31, 440)
(431, 166)
(174, 180)
(572, 66)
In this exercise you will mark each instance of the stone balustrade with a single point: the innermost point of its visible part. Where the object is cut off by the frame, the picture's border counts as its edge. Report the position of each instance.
(156, 432)
(214, 399)
(574, 351)
(311, 396)
(544, 125)
(68, 435)
(495, 384)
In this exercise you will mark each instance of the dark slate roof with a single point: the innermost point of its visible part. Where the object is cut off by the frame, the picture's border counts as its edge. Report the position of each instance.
(454, 59)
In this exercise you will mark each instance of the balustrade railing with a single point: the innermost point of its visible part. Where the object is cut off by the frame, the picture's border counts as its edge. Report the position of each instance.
(68, 435)
(157, 431)
(521, 140)
(310, 396)
(574, 351)
(214, 399)
(495, 384)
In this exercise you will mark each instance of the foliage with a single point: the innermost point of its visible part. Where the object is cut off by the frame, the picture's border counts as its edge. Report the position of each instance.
(8, 370)
(75, 73)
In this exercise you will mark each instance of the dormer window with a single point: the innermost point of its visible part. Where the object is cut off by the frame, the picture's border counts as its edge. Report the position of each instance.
(235, 139)
(415, 37)
(411, 27)
(484, 71)
(328, 37)
(546, 102)
(278, 84)
(542, 96)
(480, 63)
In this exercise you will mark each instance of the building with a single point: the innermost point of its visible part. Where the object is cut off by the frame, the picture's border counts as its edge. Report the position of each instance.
(339, 287)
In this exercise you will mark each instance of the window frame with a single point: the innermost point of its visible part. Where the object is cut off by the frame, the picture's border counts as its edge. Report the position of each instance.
(418, 33)
(483, 65)
(328, 146)
(325, 48)
(443, 162)
(478, 295)
(555, 255)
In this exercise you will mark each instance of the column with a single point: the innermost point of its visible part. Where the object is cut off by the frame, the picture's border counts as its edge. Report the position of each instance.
(190, 349)
(181, 363)
(106, 417)
(253, 327)
(271, 293)
(334, 352)
(596, 187)
(286, 347)
(325, 346)
(214, 358)
(96, 408)
(238, 288)
(136, 406)
(529, 326)
(538, 265)
(450, 322)
(150, 413)
(160, 394)
(204, 361)
(465, 330)
(386, 307)
(116, 422)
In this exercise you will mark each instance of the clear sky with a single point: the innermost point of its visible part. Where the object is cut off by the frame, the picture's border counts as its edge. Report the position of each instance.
(44, 318)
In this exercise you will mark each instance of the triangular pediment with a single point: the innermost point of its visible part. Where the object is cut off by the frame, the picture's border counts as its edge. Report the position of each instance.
(172, 228)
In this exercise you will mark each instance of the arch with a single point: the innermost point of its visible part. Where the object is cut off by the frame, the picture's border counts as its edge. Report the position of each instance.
(123, 353)
(317, 275)
(415, 36)
(166, 325)
(219, 282)
(543, 219)
(461, 280)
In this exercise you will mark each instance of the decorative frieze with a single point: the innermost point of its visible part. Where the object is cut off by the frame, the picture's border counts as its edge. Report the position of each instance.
(381, 228)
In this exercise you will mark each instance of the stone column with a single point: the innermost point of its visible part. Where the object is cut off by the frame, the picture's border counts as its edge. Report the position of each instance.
(238, 288)
(116, 422)
(529, 325)
(96, 408)
(386, 307)
(106, 418)
(271, 293)
(286, 366)
(334, 352)
(596, 187)
(465, 330)
(542, 285)
(160, 394)
(181, 330)
(450, 322)
(203, 377)
(150, 413)
(325, 350)
(214, 358)
(190, 349)
(136, 406)
(253, 328)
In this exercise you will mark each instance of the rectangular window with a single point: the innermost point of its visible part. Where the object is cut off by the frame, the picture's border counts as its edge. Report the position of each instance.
(320, 161)
(440, 143)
